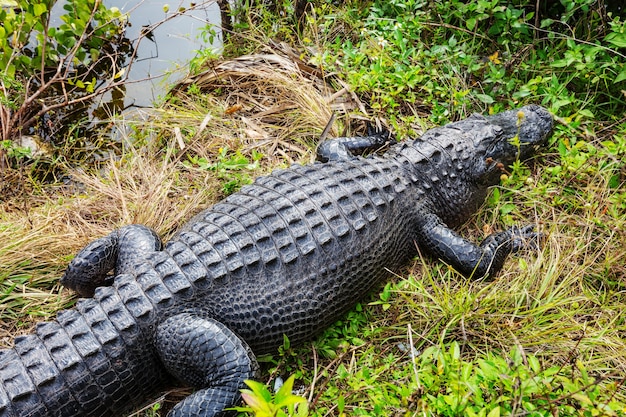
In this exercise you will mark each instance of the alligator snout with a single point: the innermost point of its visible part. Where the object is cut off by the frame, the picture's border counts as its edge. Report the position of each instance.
(535, 124)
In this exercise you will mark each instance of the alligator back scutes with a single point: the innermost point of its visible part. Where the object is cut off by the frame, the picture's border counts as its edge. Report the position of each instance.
(295, 232)
(282, 219)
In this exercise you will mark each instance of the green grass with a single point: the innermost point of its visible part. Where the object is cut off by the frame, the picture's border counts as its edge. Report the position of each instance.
(544, 337)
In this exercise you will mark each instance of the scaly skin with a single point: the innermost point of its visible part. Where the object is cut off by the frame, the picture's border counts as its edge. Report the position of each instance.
(287, 255)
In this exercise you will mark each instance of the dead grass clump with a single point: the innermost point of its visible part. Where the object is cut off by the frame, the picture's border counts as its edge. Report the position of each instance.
(274, 100)
(38, 240)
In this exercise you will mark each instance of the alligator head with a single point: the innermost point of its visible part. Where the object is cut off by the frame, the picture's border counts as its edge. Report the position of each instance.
(458, 162)
(480, 148)
(503, 138)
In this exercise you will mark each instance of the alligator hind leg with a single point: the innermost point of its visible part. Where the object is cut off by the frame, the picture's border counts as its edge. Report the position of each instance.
(341, 149)
(205, 354)
(118, 251)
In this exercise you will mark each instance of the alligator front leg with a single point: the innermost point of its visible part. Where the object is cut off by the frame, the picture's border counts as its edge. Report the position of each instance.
(344, 148)
(204, 354)
(118, 251)
(473, 260)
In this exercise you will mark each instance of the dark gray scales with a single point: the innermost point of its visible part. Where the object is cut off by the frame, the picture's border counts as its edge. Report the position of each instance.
(287, 255)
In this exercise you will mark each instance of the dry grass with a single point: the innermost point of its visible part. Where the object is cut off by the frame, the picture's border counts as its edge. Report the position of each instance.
(274, 100)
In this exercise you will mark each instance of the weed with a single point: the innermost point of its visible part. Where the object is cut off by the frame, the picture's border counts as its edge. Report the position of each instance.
(48, 68)
(233, 168)
(407, 55)
(262, 403)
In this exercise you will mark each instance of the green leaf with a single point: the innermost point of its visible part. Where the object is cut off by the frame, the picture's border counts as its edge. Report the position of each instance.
(621, 76)
(586, 113)
(485, 98)
(259, 390)
(559, 103)
(289, 400)
(582, 398)
(495, 195)
(495, 412)
(10, 71)
(39, 9)
(616, 39)
(303, 410)
(470, 23)
(259, 407)
(455, 350)
(615, 181)
(507, 208)
(534, 364)
(560, 63)
(95, 54)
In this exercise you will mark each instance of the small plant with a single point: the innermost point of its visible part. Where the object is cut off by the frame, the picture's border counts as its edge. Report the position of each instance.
(231, 167)
(261, 403)
(51, 71)
(466, 58)
(14, 151)
(508, 385)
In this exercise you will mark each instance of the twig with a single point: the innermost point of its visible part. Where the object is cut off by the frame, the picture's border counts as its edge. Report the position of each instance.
(329, 126)
(312, 389)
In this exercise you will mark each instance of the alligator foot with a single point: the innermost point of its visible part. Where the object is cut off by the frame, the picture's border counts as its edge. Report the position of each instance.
(118, 251)
(344, 148)
(525, 238)
(203, 353)
(477, 261)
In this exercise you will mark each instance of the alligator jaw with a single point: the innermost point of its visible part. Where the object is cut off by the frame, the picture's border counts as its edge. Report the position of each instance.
(521, 132)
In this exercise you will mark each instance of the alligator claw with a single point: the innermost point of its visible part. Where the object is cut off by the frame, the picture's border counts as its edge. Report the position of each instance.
(382, 134)
(526, 238)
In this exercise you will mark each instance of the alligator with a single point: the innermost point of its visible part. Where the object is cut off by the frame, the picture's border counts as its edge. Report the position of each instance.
(284, 257)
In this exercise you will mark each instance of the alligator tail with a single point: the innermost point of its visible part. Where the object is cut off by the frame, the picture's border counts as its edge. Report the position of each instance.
(85, 362)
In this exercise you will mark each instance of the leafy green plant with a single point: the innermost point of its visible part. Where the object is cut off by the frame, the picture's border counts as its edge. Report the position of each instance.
(47, 68)
(261, 403)
(233, 168)
(507, 385)
(402, 46)
(14, 151)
